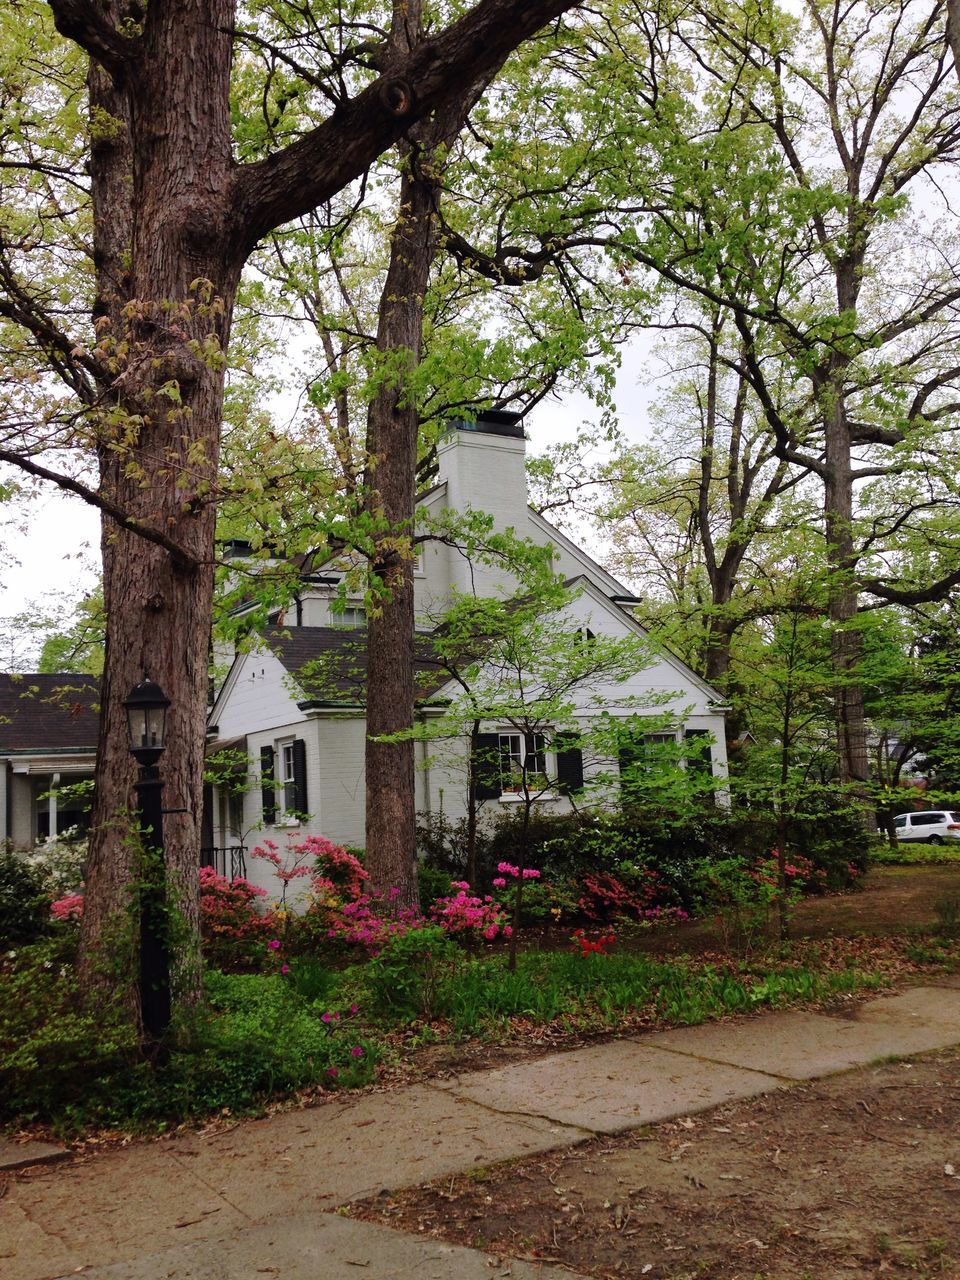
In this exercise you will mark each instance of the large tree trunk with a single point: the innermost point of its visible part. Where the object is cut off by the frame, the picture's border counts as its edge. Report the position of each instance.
(164, 325)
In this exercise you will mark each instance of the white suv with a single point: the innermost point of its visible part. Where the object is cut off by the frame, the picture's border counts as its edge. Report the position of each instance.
(932, 826)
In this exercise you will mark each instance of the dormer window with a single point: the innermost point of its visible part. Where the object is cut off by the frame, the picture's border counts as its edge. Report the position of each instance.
(353, 616)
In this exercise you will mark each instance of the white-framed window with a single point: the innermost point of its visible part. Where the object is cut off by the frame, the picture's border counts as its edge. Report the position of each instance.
(353, 616)
(523, 756)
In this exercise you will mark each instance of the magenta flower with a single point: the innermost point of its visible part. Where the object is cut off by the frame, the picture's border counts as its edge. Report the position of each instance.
(326, 1017)
(354, 1008)
(274, 944)
(499, 883)
(284, 968)
(332, 1071)
(356, 1051)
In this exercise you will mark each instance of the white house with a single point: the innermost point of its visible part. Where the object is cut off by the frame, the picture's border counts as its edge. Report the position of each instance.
(48, 742)
(293, 758)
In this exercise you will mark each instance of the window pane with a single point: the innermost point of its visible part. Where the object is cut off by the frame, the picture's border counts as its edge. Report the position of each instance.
(286, 777)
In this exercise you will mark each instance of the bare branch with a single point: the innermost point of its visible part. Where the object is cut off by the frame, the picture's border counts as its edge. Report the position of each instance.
(182, 558)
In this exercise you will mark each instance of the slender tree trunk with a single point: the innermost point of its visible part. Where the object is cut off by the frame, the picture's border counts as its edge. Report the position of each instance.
(392, 432)
(472, 815)
(852, 756)
(393, 424)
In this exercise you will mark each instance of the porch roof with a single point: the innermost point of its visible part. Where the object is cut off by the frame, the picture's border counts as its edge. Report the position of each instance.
(48, 713)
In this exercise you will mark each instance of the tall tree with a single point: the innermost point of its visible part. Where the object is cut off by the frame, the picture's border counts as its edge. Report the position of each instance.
(175, 217)
(692, 515)
(794, 189)
(421, 352)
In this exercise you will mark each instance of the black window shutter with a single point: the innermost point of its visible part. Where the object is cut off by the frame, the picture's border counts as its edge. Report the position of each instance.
(569, 764)
(485, 763)
(698, 753)
(268, 785)
(299, 776)
(630, 760)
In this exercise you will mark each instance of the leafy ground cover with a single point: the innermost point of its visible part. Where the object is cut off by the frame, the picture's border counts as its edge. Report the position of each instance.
(856, 1176)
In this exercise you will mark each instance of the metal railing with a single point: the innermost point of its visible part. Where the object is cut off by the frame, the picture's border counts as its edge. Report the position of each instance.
(228, 860)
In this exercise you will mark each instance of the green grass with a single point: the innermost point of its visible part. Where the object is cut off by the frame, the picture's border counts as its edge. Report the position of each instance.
(912, 855)
(601, 992)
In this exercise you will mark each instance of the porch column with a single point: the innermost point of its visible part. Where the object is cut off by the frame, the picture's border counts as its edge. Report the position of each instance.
(52, 801)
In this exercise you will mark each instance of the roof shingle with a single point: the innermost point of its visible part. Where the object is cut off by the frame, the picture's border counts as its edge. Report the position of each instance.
(46, 712)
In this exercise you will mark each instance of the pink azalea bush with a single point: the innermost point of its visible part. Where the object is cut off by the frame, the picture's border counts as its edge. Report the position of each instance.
(69, 908)
(465, 914)
(233, 927)
(332, 872)
(371, 920)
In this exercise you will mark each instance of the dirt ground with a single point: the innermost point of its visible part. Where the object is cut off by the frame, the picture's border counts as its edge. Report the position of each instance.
(887, 901)
(854, 1177)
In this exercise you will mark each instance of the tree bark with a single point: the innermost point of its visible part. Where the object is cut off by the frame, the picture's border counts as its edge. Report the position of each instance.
(853, 762)
(393, 425)
(163, 335)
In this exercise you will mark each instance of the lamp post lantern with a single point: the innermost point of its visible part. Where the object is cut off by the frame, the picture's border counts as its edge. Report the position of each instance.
(146, 707)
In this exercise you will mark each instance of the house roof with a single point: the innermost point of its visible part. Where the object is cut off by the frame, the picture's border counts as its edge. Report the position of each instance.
(48, 712)
(330, 663)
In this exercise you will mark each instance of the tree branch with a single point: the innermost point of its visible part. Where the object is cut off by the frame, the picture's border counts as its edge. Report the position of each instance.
(431, 77)
(179, 555)
(85, 24)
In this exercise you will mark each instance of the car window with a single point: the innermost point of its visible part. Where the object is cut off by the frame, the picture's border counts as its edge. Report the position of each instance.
(926, 819)
(900, 822)
(955, 817)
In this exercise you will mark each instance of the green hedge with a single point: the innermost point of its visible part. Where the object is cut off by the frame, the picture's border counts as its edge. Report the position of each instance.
(831, 836)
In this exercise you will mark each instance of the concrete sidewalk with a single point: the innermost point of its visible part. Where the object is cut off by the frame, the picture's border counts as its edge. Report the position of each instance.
(257, 1198)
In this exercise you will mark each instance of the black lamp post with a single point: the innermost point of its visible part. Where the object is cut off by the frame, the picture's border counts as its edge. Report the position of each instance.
(146, 708)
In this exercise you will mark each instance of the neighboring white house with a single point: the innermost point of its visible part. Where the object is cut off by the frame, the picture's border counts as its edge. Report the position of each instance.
(295, 760)
(48, 741)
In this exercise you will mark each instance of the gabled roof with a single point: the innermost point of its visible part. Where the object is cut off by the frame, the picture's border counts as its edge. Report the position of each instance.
(585, 585)
(592, 569)
(329, 664)
(48, 712)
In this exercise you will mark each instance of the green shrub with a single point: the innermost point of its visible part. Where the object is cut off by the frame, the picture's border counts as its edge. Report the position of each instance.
(548, 901)
(74, 1068)
(915, 853)
(742, 897)
(433, 883)
(24, 901)
(57, 1058)
(404, 980)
